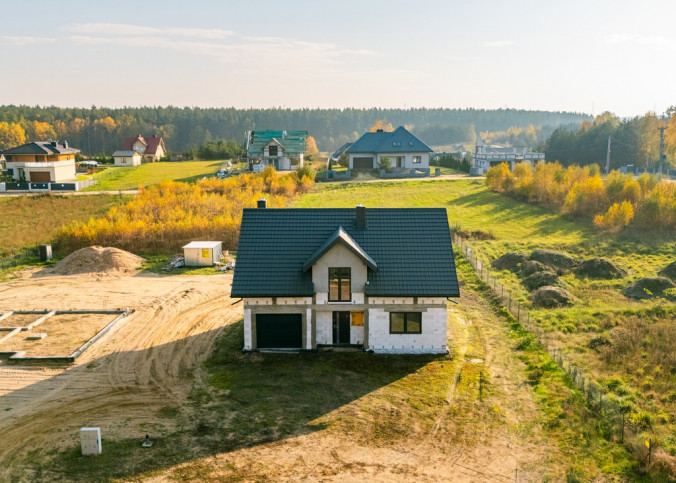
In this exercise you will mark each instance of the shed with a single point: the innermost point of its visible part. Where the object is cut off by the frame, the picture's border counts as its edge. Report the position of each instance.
(202, 253)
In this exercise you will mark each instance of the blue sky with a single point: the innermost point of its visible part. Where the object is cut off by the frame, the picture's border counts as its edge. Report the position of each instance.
(585, 56)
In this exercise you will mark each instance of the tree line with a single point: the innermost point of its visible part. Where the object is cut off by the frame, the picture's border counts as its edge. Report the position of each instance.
(99, 130)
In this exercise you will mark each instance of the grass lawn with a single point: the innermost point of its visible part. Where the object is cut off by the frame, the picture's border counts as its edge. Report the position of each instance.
(148, 174)
(33, 219)
(627, 345)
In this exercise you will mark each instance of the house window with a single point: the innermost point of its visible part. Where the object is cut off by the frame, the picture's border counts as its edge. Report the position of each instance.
(417, 159)
(405, 322)
(339, 284)
(273, 150)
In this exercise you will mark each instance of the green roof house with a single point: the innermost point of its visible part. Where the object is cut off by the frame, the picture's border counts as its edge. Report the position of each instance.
(402, 148)
(370, 278)
(281, 149)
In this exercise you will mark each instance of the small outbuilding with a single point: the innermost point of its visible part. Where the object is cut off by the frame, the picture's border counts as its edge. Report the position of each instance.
(202, 253)
(126, 158)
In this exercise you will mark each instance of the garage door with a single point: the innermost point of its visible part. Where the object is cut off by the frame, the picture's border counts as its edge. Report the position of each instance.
(279, 331)
(362, 163)
(39, 177)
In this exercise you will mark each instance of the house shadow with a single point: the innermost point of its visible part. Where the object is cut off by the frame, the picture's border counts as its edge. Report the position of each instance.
(191, 179)
(244, 400)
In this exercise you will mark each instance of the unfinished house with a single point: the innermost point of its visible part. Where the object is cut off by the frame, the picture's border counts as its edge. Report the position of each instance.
(370, 278)
(282, 150)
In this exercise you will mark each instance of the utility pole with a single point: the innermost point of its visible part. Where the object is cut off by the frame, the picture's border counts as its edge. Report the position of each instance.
(663, 156)
(608, 156)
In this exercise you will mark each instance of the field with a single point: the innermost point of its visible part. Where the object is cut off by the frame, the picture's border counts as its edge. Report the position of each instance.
(149, 174)
(34, 219)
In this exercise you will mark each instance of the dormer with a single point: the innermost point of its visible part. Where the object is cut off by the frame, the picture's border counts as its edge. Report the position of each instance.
(273, 148)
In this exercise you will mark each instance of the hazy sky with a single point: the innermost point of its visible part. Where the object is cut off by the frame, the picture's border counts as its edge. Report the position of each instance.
(586, 56)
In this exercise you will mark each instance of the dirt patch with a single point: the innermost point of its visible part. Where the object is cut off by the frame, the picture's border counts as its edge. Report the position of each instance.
(649, 288)
(20, 320)
(510, 261)
(541, 279)
(550, 297)
(555, 259)
(65, 333)
(97, 259)
(600, 268)
(669, 271)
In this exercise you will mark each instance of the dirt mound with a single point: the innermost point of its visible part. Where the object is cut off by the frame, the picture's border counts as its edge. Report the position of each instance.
(551, 297)
(510, 261)
(650, 287)
(530, 267)
(98, 259)
(600, 268)
(554, 259)
(669, 271)
(541, 279)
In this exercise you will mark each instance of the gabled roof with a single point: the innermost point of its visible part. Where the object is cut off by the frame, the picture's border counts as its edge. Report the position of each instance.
(42, 147)
(125, 153)
(411, 248)
(151, 143)
(398, 141)
(340, 150)
(340, 236)
(293, 142)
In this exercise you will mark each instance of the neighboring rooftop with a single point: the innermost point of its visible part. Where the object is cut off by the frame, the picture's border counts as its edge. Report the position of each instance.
(125, 153)
(410, 248)
(202, 244)
(341, 150)
(398, 141)
(151, 143)
(42, 147)
(293, 142)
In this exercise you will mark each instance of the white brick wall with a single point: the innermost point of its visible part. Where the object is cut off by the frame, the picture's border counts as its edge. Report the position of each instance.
(356, 335)
(260, 301)
(431, 341)
(324, 330)
(294, 300)
(248, 342)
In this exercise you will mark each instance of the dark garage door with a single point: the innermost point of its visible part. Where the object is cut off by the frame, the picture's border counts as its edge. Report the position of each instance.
(362, 163)
(279, 331)
(39, 176)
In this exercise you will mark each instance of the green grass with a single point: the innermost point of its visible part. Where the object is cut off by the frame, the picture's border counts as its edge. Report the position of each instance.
(156, 261)
(35, 219)
(115, 179)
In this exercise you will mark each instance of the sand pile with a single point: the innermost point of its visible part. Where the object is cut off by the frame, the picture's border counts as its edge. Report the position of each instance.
(98, 259)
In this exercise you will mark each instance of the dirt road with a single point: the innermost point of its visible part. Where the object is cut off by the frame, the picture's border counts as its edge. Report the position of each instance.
(141, 366)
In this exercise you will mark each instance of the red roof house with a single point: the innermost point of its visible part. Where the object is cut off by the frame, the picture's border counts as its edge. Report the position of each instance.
(152, 148)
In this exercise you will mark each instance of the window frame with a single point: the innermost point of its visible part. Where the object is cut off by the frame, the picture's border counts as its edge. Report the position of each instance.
(270, 148)
(419, 159)
(341, 278)
(406, 330)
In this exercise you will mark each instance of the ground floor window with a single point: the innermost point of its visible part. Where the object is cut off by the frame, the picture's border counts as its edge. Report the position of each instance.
(405, 322)
(417, 159)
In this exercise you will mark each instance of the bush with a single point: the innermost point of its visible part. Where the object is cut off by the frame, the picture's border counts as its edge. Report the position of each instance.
(384, 163)
(305, 171)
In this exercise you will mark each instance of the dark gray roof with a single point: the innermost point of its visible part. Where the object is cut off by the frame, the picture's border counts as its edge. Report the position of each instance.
(42, 147)
(340, 150)
(341, 236)
(411, 247)
(398, 141)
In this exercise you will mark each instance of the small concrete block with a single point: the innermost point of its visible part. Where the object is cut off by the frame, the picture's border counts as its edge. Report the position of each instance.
(90, 441)
(37, 336)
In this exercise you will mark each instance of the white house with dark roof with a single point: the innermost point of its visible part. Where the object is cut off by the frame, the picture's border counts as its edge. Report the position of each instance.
(402, 148)
(486, 156)
(376, 279)
(126, 158)
(41, 161)
(283, 150)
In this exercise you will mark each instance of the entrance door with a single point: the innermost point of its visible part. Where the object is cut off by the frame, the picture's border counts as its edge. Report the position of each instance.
(341, 327)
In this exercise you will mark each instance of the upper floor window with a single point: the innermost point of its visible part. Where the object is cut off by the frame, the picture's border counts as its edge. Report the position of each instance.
(339, 284)
(417, 159)
(273, 150)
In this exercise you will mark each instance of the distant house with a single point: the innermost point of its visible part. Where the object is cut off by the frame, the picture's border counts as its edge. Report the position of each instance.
(335, 156)
(41, 161)
(283, 150)
(376, 279)
(402, 148)
(151, 149)
(486, 156)
(126, 158)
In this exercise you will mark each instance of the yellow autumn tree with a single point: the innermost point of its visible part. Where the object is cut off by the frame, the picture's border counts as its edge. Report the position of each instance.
(11, 135)
(618, 216)
(384, 125)
(311, 146)
(40, 131)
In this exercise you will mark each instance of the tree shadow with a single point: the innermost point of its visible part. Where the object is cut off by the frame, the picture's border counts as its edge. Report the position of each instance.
(247, 399)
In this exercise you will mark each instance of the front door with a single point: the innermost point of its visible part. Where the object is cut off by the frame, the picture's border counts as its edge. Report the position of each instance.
(341, 327)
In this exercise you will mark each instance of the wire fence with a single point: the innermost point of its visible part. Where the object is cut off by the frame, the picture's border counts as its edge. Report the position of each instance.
(622, 424)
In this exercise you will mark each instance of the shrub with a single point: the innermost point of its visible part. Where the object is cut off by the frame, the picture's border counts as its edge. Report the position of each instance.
(617, 217)
(384, 163)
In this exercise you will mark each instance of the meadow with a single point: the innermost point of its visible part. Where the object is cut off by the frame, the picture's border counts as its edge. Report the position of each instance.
(149, 174)
(627, 345)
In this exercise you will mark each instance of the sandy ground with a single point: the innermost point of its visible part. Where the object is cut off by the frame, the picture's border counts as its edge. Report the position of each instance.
(151, 360)
(140, 366)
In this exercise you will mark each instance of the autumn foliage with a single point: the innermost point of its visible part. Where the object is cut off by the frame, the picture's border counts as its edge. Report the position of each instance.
(617, 202)
(167, 216)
